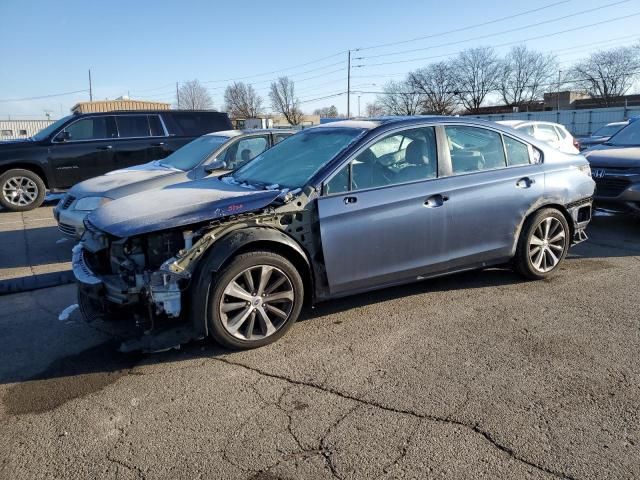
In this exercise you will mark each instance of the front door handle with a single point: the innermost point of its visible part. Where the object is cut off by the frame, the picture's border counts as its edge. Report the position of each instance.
(349, 200)
(436, 200)
(159, 144)
(104, 147)
(525, 182)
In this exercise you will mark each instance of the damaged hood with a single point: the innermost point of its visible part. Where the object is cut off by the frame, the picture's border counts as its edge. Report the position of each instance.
(130, 180)
(178, 205)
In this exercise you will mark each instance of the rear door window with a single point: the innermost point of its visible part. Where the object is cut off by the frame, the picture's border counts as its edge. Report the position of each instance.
(198, 123)
(155, 126)
(474, 149)
(132, 126)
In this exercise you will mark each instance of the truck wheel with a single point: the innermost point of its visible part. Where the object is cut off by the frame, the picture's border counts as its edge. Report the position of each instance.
(254, 300)
(543, 244)
(21, 190)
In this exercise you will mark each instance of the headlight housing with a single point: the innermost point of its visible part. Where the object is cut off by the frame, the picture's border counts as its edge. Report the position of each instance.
(586, 169)
(88, 204)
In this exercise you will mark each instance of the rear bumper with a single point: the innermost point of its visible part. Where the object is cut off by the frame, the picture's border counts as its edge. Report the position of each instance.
(581, 212)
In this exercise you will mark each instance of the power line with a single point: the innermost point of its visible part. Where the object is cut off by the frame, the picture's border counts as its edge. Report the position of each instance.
(43, 96)
(506, 43)
(497, 20)
(488, 35)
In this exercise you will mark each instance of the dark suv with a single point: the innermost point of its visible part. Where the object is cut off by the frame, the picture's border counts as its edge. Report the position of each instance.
(82, 146)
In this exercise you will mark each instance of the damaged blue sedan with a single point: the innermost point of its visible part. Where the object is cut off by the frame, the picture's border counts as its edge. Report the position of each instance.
(334, 210)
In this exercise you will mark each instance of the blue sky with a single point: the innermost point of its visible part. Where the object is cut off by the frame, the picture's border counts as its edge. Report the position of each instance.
(143, 47)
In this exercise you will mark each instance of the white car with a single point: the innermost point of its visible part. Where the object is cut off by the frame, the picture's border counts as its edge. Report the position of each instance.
(552, 133)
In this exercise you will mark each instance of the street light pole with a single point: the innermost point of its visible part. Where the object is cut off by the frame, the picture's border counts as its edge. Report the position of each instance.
(358, 105)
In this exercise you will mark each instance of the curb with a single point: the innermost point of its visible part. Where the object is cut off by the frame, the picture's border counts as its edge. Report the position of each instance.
(36, 282)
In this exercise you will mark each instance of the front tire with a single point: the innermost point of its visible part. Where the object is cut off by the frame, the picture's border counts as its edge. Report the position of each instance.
(543, 244)
(21, 190)
(254, 300)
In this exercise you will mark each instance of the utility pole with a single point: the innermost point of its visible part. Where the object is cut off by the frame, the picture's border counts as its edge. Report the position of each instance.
(90, 88)
(558, 92)
(349, 84)
(178, 95)
(358, 105)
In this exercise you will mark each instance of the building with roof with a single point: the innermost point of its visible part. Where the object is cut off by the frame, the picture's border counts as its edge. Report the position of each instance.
(120, 103)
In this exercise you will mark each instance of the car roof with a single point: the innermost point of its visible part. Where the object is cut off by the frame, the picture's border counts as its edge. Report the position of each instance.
(377, 122)
(145, 112)
(519, 123)
(249, 131)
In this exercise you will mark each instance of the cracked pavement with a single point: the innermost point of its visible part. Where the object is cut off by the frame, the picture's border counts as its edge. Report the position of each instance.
(478, 375)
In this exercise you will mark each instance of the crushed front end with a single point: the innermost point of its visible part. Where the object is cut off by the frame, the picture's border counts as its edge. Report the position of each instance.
(122, 285)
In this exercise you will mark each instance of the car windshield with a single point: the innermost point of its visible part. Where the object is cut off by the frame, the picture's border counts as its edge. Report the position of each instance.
(629, 135)
(45, 132)
(607, 131)
(292, 162)
(193, 153)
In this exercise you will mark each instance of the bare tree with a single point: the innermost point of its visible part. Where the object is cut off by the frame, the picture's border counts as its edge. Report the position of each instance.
(242, 101)
(524, 75)
(399, 98)
(374, 109)
(608, 74)
(437, 82)
(193, 96)
(477, 72)
(327, 112)
(284, 101)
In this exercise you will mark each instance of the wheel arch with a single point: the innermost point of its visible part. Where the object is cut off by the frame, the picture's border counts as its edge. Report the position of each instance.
(26, 165)
(557, 206)
(235, 243)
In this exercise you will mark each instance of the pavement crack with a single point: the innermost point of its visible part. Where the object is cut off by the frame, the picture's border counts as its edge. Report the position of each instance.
(475, 428)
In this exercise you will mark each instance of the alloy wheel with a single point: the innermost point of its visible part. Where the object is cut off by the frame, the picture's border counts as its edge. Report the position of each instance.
(547, 244)
(20, 191)
(257, 302)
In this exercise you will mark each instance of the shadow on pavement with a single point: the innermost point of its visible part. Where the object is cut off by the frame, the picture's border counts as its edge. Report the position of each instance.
(72, 374)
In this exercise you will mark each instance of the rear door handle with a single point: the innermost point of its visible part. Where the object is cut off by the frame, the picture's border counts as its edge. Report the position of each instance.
(159, 144)
(525, 182)
(105, 147)
(436, 200)
(348, 200)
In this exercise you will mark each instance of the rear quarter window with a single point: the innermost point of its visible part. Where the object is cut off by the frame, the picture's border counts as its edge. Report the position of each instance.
(192, 124)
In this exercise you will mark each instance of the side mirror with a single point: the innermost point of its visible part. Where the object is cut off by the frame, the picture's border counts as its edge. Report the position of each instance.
(215, 165)
(62, 137)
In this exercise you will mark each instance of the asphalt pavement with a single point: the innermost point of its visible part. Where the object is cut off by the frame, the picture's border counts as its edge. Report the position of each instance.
(33, 253)
(477, 375)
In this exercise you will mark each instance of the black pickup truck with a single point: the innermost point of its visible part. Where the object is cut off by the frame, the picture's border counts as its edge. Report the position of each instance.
(82, 146)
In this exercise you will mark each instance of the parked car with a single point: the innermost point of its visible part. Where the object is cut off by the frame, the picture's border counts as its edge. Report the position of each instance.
(601, 135)
(334, 210)
(615, 166)
(82, 146)
(552, 133)
(211, 153)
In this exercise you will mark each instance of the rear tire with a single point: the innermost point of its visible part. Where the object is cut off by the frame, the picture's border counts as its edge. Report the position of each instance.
(21, 190)
(543, 244)
(254, 300)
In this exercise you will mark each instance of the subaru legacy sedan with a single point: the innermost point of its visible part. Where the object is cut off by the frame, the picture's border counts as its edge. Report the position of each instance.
(334, 210)
(210, 154)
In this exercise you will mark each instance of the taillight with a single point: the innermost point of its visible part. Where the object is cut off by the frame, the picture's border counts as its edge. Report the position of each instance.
(576, 144)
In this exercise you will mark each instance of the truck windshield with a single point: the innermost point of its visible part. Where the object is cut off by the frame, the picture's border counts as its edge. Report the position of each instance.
(45, 132)
(628, 136)
(292, 162)
(194, 152)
